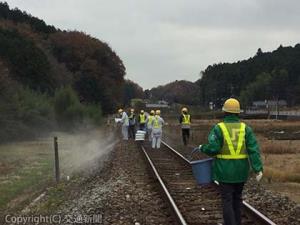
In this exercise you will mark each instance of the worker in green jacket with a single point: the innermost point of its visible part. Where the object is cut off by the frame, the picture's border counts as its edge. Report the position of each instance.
(235, 149)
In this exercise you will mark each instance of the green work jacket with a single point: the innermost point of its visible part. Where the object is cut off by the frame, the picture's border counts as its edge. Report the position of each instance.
(232, 170)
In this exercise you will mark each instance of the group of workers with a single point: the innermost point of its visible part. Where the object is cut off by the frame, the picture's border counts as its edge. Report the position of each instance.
(231, 142)
(150, 123)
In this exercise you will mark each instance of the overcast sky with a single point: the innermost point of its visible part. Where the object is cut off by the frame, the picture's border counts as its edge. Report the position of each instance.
(161, 41)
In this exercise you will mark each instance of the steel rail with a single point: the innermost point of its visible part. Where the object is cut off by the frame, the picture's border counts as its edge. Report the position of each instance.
(177, 153)
(174, 207)
(261, 216)
(248, 207)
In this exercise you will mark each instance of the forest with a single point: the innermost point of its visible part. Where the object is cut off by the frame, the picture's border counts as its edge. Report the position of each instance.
(53, 78)
(265, 76)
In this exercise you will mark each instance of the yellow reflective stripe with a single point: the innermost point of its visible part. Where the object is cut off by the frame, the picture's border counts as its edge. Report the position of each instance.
(150, 118)
(241, 138)
(186, 119)
(227, 138)
(142, 118)
(156, 124)
(242, 156)
(234, 154)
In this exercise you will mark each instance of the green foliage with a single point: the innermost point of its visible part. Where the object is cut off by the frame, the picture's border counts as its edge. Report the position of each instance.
(17, 15)
(99, 71)
(257, 90)
(29, 63)
(93, 113)
(32, 107)
(68, 110)
(23, 113)
(131, 90)
(244, 78)
(279, 83)
(36, 60)
(137, 103)
(183, 92)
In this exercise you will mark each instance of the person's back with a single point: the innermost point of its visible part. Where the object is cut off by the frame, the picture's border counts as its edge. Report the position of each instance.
(233, 145)
(132, 123)
(185, 121)
(142, 120)
(132, 120)
(149, 124)
(150, 119)
(157, 124)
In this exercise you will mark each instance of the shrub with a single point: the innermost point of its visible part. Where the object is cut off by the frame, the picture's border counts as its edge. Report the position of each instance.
(93, 113)
(68, 110)
(31, 105)
(23, 113)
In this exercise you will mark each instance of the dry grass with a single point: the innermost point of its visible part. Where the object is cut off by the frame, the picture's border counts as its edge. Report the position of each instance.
(279, 147)
(270, 127)
(25, 167)
(281, 157)
(277, 175)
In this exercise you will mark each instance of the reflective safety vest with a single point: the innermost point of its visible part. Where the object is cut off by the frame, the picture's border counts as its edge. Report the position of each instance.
(131, 119)
(186, 119)
(150, 118)
(155, 123)
(142, 118)
(234, 146)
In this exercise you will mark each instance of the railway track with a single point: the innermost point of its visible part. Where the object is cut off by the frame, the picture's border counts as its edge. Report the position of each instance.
(191, 203)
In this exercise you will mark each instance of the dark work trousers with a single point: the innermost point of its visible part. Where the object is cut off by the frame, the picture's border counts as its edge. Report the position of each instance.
(185, 135)
(131, 131)
(142, 126)
(232, 202)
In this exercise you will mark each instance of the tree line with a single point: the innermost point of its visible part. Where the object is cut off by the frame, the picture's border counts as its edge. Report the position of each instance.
(51, 78)
(265, 76)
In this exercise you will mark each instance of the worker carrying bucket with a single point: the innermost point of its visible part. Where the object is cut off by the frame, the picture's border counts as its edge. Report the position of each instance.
(235, 149)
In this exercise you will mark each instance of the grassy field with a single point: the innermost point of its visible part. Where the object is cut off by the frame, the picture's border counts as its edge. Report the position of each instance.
(27, 168)
(279, 147)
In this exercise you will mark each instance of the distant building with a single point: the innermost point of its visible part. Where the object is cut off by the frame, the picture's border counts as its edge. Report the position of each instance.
(270, 103)
(163, 102)
(159, 104)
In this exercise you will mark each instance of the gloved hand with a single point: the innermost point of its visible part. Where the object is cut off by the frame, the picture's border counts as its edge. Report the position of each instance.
(259, 175)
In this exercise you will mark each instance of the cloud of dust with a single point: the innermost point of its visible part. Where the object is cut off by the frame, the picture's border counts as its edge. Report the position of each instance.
(84, 152)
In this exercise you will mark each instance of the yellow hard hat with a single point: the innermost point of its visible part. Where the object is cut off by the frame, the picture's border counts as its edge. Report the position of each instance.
(120, 110)
(157, 112)
(152, 112)
(231, 105)
(184, 109)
